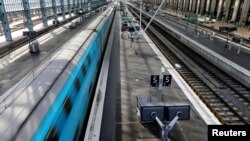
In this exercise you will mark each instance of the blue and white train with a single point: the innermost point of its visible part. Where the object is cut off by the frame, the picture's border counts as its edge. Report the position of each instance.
(55, 103)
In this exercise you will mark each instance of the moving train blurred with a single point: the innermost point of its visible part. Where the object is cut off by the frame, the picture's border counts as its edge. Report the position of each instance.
(56, 102)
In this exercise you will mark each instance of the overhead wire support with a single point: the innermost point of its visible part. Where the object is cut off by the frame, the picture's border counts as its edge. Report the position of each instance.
(140, 12)
(154, 15)
(27, 14)
(44, 13)
(79, 5)
(63, 9)
(54, 11)
(74, 6)
(143, 31)
(69, 8)
(5, 22)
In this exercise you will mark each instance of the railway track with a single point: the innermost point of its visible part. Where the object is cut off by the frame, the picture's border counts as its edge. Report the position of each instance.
(227, 98)
(16, 44)
(6, 49)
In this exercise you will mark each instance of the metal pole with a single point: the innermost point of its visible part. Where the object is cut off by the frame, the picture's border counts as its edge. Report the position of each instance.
(154, 15)
(165, 129)
(239, 46)
(140, 12)
(160, 85)
(230, 43)
(227, 40)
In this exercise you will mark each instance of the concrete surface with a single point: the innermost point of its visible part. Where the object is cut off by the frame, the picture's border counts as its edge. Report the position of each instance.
(128, 78)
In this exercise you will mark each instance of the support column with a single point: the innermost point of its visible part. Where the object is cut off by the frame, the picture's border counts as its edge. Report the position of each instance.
(202, 7)
(82, 4)
(54, 10)
(208, 6)
(198, 6)
(236, 8)
(69, 8)
(62, 9)
(78, 5)
(219, 9)
(227, 8)
(170, 4)
(176, 5)
(44, 13)
(74, 5)
(27, 14)
(194, 5)
(180, 5)
(5, 22)
(213, 4)
(186, 5)
(190, 5)
(244, 13)
(86, 4)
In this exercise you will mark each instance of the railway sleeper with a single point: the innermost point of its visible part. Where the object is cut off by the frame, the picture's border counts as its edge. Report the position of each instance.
(241, 99)
(217, 104)
(237, 123)
(240, 89)
(230, 118)
(245, 103)
(246, 95)
(245, 92)
(185, 72)
(189, 75)
(183, 66)
(222, 77)
(213, 100)
(204, 90)
(197, 83)
(233, 85)
(220, 109)
(199, 87)
(228, 80)
(200, 91)
(209, 96)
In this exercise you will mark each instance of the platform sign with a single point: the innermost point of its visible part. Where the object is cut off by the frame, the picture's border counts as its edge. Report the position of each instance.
(167, 80)
(154, 81)
(29, 33)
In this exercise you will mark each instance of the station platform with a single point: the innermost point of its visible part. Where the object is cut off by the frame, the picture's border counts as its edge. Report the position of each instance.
(18, 27)
(244, 32)
(217, 44)
(129, 76)
(20, 65)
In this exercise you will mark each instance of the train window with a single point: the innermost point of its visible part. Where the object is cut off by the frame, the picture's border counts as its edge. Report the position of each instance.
(67, 105)
(52, 135)
(83, 70)
(88, 59)
(77, 85)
